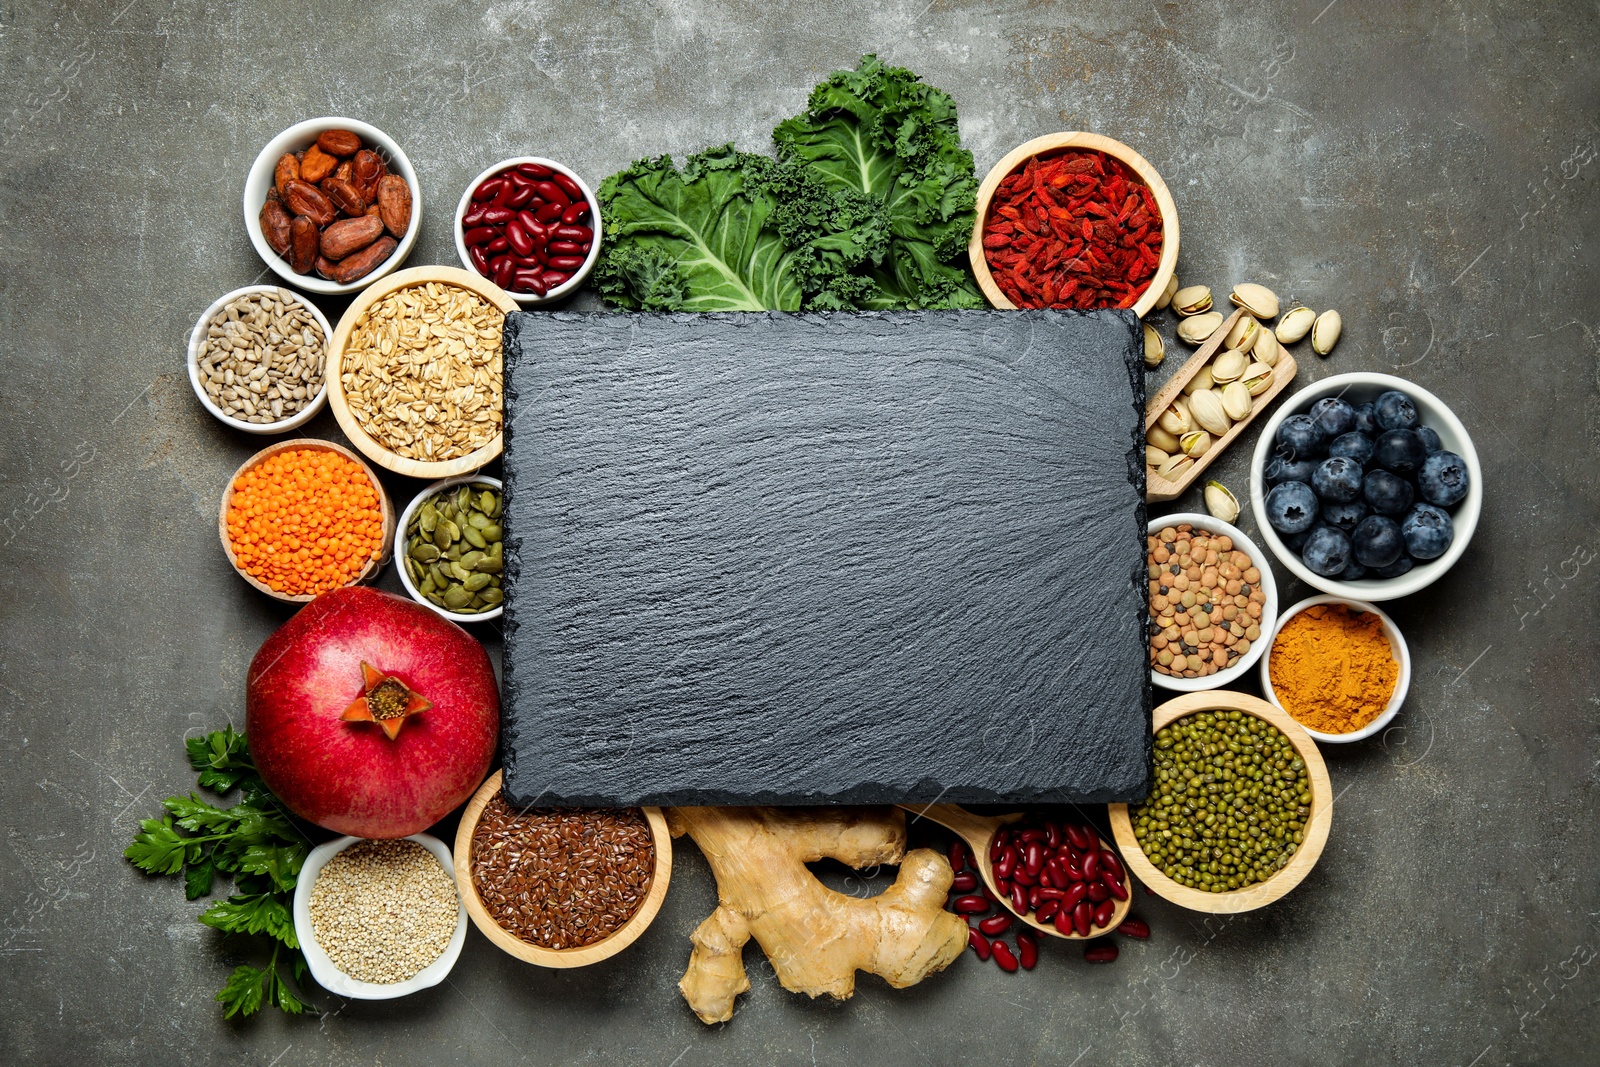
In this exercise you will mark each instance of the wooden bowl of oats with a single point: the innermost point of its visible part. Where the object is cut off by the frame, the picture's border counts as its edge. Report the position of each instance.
(415, 375)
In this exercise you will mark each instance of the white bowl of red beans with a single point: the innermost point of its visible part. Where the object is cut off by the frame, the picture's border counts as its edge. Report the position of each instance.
(531, 226)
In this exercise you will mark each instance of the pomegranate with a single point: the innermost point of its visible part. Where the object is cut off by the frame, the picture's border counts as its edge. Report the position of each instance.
(371, 715)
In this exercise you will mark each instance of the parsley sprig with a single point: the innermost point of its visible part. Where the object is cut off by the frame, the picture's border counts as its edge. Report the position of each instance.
(256, 844)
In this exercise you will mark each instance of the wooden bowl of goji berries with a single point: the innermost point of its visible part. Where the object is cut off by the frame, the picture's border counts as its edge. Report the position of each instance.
(1074, 220)
(303, 517)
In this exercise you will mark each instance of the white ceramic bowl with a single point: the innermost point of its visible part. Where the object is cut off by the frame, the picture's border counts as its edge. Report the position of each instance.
(577, 279)
(1269, 610)
(336, 981)
(197, 341)
(400, 541)
(299, 136)
(1397, 645)
(1358, 387)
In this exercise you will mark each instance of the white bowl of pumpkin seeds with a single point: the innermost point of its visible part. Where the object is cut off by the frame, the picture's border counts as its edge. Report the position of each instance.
(252, 351)
(438, 553)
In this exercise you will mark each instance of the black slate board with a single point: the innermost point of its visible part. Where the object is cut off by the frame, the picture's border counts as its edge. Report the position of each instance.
(862, 558)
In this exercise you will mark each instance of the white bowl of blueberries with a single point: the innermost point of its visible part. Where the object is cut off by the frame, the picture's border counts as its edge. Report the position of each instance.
(1366, 486)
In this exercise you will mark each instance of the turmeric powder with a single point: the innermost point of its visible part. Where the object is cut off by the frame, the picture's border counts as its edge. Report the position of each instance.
(1332, 668)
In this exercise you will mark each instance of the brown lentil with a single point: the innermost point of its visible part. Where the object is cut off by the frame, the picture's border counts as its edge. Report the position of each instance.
(561, 878)
(384, 910)
(1205, 601)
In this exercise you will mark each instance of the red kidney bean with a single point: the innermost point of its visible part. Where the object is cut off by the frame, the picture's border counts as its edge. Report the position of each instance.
(1027, 950)
(1103, 912)
(1073, 874)
(534, 170)
(1047, 893)
(496, 246)
(566, 248)
(581, 234)
(1091, 867)
(548, 212)
(553, 278)
(1116, 889)
(1003, 956)
(1079, 837)
(1052, 836)
(1063, 920)
(551, 192)
(487, 190)
(566, 262)
(1019, 900)
(1081, 916)
(534, 262)
(1047, 910)
(1105, 952)
(1071, 897)
(479, 235)
(958, 856)
(500, 271)
(996, 848)
(521, 181)
(995, 925)
(480, 259)
(965, 882)
(1035, 857)
(1057, 870)
(520, 241)
(529, 220)
(521, 198)
(568, 186)
(1007, 860)
(1112, 865)
(528, 282)
(970, 905)
(499, 216)
(1098, 891)
(503, 195)
(979, 943)
(575, 212)
(474, 217)
(1032, 835)
(1134, 928)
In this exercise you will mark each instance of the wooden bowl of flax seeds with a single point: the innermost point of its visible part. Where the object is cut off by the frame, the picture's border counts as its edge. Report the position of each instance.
(560, 887)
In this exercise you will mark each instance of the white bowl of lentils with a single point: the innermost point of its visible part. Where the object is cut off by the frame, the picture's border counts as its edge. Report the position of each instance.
(282, 359)
(1240, 590)
(385, 911)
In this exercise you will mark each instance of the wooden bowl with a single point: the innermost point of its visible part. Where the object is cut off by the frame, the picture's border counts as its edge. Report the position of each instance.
(606, 947)
(1053, 144)
(1158, 488)
(429, 470)
(1316, 831)
(313, 443)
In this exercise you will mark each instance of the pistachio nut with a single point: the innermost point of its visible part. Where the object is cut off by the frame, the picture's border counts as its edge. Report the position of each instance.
(1266, 349)
(1220, 502)
(1174, 467)
(1195, 443)
(1155, 350)
(1202, 380)
(1325, 332)
(1153, 456)
(1166, 293)
(1256, 299)
(1161, 438)
(1205, 408)
(1243, 333)
(1195, 329)
(1236, 402)
(1174, 420)
(1295, 324)
(1182, 404)
(1256, 378)
(1192, 300)
(1228, 366)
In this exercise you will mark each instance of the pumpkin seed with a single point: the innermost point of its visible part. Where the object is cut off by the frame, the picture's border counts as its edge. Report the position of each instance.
(474, 537)
(475, 582)
(493, 533)
(424, 551)
(454, 549)
(492, 595)
(456, 597)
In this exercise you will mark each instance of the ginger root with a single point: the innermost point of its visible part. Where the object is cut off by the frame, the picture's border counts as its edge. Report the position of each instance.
(815, 938)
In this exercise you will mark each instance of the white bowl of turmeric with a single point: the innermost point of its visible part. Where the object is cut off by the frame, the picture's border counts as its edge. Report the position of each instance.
(1338, 667)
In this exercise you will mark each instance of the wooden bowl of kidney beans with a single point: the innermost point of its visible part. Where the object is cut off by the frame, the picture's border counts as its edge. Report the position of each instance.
(531, 226)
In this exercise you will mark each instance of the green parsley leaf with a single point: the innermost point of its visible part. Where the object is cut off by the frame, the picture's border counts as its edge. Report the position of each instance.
(243, 992)
(158, 847)
(197, 878)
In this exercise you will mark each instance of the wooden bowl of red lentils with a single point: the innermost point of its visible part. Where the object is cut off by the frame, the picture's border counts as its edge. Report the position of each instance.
(1213, 602)
(1074, 220)
(303, 517)
(560, 887)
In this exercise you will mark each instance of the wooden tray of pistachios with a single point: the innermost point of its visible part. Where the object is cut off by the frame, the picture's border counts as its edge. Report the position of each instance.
(1209, 402)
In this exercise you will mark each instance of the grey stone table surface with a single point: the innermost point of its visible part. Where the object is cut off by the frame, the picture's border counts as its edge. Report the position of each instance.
(1427, 168)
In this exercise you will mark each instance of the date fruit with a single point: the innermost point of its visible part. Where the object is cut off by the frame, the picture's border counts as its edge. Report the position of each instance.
(303, 244)
(303, 198)
(339, 143)
(275, 224)
(316, 165)
(360, 264)
(394, 204)
(350, 235)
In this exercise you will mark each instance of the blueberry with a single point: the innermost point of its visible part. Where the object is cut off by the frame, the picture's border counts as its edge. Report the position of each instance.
(1338, 480)
(1400, 451)
(1443, 479)
(1344, 516)
(1356, 445)
(1377, 541)
(1333, 416)
(1428, 532)
(1430, 439)
(1296, 541)
(1387, 494)
(1394, 411)
(1366, 421)
(1299, 438)
(1353, 571)
(1327, 551)
(1289, 470)
(1291, 507)
(1395, 569)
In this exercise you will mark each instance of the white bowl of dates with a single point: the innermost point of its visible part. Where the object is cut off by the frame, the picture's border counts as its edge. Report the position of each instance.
(332, 205)
(256, 361)
(531, 226)
(1204, 607)
(448, 548)
(1366, 486)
